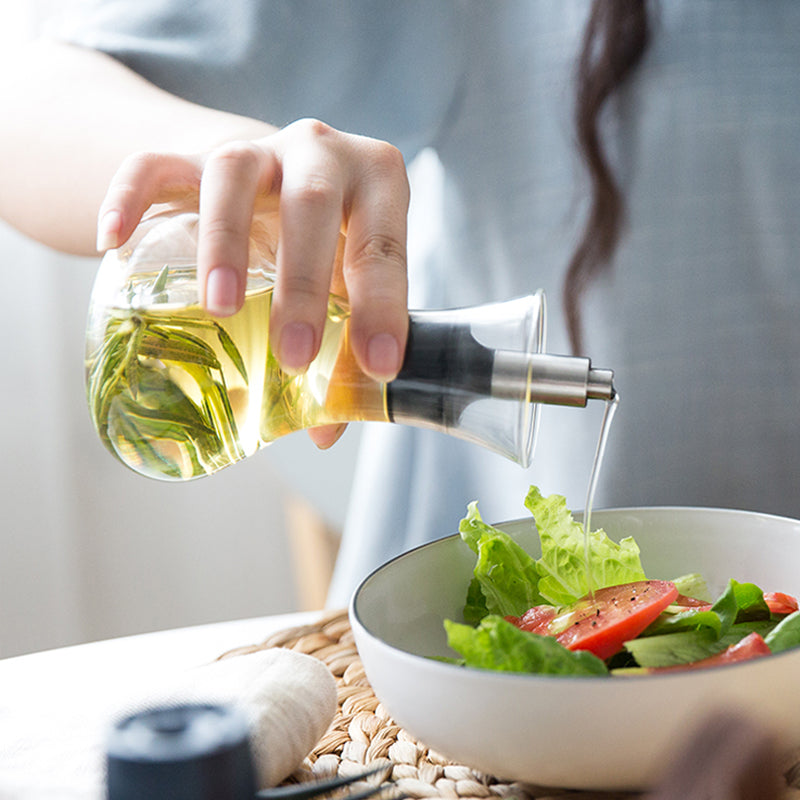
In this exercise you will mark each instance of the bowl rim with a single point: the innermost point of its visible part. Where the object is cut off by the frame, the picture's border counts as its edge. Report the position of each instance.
(357, 622)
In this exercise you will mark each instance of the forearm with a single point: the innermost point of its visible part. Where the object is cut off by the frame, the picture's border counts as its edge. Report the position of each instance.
(69, 118)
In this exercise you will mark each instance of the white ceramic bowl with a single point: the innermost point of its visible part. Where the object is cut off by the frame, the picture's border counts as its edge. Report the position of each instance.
(588, 733)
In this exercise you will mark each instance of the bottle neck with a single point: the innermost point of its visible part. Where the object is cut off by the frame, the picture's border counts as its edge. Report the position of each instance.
(445, 369)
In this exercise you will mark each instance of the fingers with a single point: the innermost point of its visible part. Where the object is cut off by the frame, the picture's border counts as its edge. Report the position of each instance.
(311, 206)
(324, 181)
(233, 176)
(375, 264)
(330, 178)
(326, 436)
(142, 180)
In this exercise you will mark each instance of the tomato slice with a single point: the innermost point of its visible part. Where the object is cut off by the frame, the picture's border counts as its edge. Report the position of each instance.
(780, 603)
(534, 619)
(687, 602)
(751, 646)
(604, 623)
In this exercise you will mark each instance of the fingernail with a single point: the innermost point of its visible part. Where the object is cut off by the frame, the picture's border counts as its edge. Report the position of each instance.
(383, 356)
(222, 291)
(326, 437)
(296, 346)
(108, 228)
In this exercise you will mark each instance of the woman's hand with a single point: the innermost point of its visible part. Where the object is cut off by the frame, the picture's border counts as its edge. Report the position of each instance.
(322, 181)
(71, 116)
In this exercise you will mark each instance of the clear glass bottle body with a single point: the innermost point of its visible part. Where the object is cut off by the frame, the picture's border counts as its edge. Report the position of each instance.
(176, 394)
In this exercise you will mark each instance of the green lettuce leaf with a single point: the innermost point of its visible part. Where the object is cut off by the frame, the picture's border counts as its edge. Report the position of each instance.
(671, 649)
(563, 566)
(785, 635)
(475, 609)
(504, 573)
(740, 602)
(498, 645)
(750, 602)
(508, 581)
(693, 585)
(690, 620)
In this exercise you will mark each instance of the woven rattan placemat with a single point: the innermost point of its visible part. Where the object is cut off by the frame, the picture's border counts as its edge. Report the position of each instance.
(363, 734)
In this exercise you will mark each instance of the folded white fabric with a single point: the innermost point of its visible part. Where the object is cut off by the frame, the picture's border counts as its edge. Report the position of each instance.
(289, 699)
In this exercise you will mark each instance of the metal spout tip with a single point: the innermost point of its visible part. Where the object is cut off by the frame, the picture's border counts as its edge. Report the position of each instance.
(600, 384)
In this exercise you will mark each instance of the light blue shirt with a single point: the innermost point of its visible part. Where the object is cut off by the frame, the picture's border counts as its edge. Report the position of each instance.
(699, 317)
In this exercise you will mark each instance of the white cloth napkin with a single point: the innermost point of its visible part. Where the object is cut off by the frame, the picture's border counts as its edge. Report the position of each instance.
(288, 697)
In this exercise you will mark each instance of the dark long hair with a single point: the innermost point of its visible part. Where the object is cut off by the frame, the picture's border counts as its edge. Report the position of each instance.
(614, 42)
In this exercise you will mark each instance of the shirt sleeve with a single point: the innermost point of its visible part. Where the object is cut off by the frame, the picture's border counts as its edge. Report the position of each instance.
(377, 67)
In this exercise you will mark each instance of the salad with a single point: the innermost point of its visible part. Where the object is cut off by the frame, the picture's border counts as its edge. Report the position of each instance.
(587, 608)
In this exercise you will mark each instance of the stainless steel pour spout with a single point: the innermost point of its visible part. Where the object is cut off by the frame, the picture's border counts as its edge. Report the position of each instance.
(546, 378)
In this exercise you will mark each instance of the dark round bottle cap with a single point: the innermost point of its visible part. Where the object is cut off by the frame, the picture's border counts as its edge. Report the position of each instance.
(196, 752)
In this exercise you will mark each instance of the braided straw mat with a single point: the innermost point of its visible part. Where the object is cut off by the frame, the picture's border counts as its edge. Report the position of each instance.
(363, 735)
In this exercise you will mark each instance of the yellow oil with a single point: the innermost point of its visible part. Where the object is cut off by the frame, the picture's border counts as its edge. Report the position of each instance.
(176, 394)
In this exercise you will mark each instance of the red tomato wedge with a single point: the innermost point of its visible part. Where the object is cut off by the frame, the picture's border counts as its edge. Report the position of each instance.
(780, 603)
(691, 603)
(603, 624)
(751, 646)
(535, 618)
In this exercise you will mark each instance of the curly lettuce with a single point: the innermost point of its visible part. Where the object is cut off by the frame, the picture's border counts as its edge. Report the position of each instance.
(508, 581)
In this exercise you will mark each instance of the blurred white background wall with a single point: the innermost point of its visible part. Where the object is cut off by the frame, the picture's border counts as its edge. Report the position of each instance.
(88, 549)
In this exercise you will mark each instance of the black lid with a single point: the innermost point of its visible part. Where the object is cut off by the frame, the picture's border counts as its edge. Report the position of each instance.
(192, 751)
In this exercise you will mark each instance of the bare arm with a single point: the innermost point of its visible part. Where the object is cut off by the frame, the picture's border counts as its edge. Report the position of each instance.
(70, 116)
